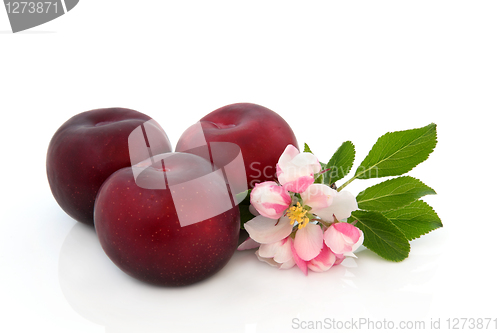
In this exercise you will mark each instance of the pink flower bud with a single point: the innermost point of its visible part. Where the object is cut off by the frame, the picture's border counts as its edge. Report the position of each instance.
(295, 170)
(270, 199)
(343, 238)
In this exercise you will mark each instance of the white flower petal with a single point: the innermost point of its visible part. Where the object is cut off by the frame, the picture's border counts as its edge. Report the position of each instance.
(265, 230)
(288, 264)
(269, 250)
(270, 261)
(325, 213)
(360, 240)
(288, 154)
(350, 254)
(280, 251)
(284, 251)
(318, 196)
(285, 265)
(343, 204)
(307, 160)
(248, 244)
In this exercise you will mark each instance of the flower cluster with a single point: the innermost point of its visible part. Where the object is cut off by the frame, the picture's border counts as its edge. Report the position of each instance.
(300, 222)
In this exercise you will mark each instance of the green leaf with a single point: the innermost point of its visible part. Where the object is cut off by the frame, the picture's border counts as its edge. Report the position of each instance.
(414, 220)
(392, 194)
(340, 164)
(244, 205)
(244, 197)
(381, 236)
(307, 149)
(245, 215)
(319, 179)
(396, 153)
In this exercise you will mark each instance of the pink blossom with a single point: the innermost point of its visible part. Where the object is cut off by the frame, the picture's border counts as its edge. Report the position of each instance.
(325, 260)
(269, 233)
(290, 229)
(301, 264)
(311, 249)
(295, 170)
(308, 241)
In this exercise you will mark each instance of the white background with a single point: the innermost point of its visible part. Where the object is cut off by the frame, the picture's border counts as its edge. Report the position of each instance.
(335, 71)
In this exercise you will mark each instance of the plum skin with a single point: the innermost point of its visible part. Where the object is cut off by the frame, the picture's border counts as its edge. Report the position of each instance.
(139, 230)
(85, 151)
(261, 134)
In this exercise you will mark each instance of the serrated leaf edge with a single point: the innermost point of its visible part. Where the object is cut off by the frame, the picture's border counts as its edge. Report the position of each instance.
(409, 245)
(388, 133)
(307, 149)
(392, 179)
(402, 207)
(330, 162)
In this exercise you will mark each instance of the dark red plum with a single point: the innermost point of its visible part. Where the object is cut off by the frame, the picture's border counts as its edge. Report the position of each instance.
(172, 225)
(261, 134)
(86, 150)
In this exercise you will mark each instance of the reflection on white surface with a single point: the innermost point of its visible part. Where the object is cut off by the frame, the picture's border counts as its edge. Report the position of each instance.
(246, 296)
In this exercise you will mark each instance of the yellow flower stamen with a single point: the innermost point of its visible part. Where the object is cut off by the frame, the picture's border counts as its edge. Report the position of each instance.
(298, 213)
